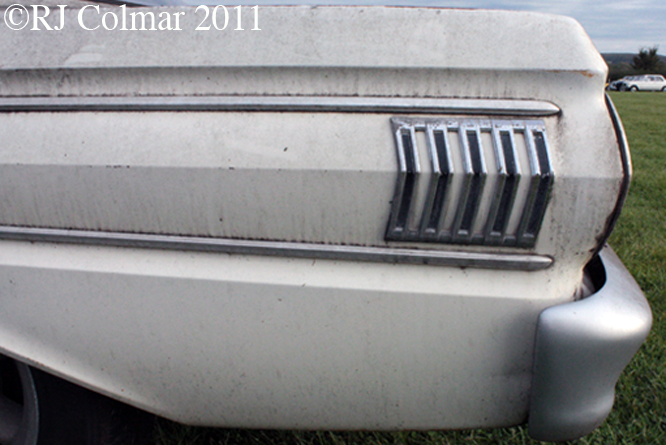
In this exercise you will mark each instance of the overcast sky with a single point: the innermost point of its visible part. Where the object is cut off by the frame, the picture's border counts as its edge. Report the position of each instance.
(614, 25)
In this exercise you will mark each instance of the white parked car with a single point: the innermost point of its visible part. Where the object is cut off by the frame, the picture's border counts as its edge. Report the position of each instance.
(651, 82)
(337, 218)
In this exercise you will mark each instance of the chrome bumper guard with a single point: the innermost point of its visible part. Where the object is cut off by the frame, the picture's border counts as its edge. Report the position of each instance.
(581, 349)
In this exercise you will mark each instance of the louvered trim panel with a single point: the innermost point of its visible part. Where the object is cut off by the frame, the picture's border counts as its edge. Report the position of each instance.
(470, 181)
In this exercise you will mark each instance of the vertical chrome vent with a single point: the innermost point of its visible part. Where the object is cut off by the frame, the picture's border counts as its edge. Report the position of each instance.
(470, 181)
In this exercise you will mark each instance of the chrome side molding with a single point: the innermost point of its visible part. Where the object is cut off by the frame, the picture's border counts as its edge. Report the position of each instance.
(470, 181)
(625, 157)
(525, 262)
(279, 103)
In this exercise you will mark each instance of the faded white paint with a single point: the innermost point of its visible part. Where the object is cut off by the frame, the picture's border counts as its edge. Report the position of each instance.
(218, 339)
(248, 341)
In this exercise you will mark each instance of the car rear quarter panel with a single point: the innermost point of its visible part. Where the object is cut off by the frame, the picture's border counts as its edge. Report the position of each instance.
(251, 341)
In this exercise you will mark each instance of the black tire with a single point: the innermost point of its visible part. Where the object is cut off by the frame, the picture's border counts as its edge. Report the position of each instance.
(48, 410)
(663, 89)
(19, 418)
(633, 89)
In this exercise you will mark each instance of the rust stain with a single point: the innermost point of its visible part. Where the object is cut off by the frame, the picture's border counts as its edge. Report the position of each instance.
(587, 73)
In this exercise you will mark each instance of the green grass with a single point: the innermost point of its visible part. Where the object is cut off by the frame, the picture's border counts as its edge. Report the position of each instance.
(639, 416)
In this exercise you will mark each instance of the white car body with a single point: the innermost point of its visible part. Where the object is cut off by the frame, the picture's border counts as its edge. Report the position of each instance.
(195, 223)
(651, 82)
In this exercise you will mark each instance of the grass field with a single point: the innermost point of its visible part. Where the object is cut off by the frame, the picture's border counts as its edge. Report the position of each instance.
(639, 416)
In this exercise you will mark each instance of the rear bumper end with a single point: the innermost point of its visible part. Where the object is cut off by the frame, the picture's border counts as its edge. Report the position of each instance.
(581, 349)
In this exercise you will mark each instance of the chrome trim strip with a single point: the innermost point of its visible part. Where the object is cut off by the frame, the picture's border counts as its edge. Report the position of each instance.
(524, 262)
(468, 172)
(534, 179)
(280, 103)
(546, 175)
(477, 178)
(508, 180)
(501, 160)
(625, 157)
(425, 223)
(489, 156)
(442, 167)
(406, 184)
(541, 182)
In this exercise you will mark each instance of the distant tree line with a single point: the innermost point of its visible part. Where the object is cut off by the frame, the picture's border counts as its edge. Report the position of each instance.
(647, 61)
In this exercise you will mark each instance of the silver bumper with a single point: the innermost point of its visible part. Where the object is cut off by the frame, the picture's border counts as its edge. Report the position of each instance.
(581, 349)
